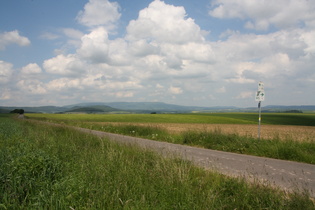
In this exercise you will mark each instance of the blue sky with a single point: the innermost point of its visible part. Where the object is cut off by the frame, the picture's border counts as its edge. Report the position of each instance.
(203, 53)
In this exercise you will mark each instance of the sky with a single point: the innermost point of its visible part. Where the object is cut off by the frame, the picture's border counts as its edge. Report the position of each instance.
(200, 53)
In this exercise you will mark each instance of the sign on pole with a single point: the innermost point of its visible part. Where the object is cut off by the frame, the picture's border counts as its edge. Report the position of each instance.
(260, 96)
(260, 86)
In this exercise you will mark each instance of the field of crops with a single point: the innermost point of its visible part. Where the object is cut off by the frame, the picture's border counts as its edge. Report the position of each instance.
(215, 118)
(48, 167)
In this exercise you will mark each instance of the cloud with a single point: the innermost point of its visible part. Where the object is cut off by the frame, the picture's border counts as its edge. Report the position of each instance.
(142, 48)
(175, 90)
(68, 65)
(49, 36)
(241, 80)
(6, 71)
(126, 94)
(309, 39)
(164, 56)
(95, 46)
(221, 90)
(31, 68)
(13, 37)
(31, 86)
(294, 44)
(62, 84)
(72, 33)
(164, 23)
(197, 52)
(74, 38)
(244, 95)
(5, 94)
(261, 15)
(99, 13)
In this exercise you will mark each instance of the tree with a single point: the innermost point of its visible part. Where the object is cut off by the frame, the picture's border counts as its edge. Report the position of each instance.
(18, 111)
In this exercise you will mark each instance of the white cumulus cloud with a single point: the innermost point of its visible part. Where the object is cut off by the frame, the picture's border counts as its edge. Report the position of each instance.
(13, 37)
(247, 94)
(175, 90)
(5, 94)
(31, 68)
(32, 86)
(64, 84)
(263, 14)
(6, 71)
(99, 13)
(164, 55)
(68, 65)
(164, 23)
(95, 46)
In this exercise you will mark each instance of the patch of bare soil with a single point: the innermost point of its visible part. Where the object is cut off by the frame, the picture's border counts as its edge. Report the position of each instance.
(284, 132)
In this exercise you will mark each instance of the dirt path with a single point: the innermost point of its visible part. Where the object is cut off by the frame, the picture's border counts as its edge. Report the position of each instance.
(287, 175)
(298, 133)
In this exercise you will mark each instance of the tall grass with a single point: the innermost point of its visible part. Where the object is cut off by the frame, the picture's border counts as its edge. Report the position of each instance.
(272, 148)
(44, 167)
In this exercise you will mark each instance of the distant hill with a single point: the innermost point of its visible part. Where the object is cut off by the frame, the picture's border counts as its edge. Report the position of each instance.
(152, 106)
(39, 109)
(159, 106)
(4, 110)
(93, 109)
(147, 107)
(285, 108)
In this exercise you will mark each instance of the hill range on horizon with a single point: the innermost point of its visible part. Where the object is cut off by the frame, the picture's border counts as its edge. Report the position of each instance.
(147, 107)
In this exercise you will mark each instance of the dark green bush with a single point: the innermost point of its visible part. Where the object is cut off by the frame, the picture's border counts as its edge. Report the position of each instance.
(18, 111)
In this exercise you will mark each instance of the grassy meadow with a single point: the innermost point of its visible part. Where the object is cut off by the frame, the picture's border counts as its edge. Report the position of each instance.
(48, 167)
(274, 148)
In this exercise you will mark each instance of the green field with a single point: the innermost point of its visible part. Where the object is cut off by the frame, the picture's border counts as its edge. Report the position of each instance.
(215, 118)
(48, 167)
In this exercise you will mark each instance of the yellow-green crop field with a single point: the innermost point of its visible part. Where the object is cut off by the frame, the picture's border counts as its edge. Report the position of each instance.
(211, 118)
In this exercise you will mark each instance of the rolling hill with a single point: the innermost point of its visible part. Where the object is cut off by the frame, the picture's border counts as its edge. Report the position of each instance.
(92, 109)
(145, 107)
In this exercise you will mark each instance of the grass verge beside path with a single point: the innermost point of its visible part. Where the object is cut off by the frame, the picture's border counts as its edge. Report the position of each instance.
(43, 166)
(272, 148)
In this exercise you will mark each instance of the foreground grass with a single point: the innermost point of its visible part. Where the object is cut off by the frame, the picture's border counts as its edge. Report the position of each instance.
(58, 168)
